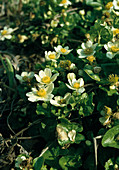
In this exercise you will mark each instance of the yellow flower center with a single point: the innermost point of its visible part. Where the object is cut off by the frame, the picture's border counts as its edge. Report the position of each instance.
(4, 32)
(113, 78)
(115, 32)
(46, 79)
(118, 3)
(91, 58)
(88, 51)
(114, 49)
(52, 56)
(109, 5)
(63, 50)
(63, 2)
(76, 85)
(41, 93)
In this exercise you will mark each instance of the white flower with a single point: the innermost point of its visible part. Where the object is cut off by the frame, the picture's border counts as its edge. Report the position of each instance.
(115, 31)
(45, 77)
(75, 84)
(41, 94)
(19, 160)
(65, 3)
(51, 56)
(88, 49)
(109, 7)
(82, 12)
(54, 23)
(72, 135)
(6, 33)
(59, 49)
(25, 77)
(22, 38)
(61, 101)
(116, 4)
(112, 48)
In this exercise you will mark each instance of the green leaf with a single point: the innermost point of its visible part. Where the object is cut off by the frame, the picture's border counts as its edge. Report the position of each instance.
(41, 111)
(79, 138)
(38, 162)
(69, 161)
(51, 156)
(110, 138)
(118, 101)
(93, 4)
(91, 74)
(109, 68)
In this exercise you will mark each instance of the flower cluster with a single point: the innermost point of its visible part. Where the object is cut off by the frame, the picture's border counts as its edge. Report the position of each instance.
(45, 81)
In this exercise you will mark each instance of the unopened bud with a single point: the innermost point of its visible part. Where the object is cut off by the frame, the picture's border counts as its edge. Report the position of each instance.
(49, 13)
(80, 72)
(87, 36)
(67, 23)
(82, 12)
(97, 69)
(44, 105)
(64, 14)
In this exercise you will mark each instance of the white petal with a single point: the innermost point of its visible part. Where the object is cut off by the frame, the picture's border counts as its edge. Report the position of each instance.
(48, 97)
(106, 47)
(89, 44)
(34, 89)
(49, 88)
(70, 87)
(71, 76)
(38, 78)
(8, 36)
(110, 55)
(81, 90)
(57, 98)
(54, 77)
(29, 94)
(79, 51)
(110, 44)
(54, 102)
(81, 82)
(48, 72)
(67, 97)
(83, 45)
(42, 74)
(24, 74)
(74, 81)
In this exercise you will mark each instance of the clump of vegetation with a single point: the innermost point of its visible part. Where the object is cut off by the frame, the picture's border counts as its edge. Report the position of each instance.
(59, 88)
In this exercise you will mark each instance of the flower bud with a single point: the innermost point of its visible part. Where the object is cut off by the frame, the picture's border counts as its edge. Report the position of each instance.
(80, 72)
(67, 23)
(82, 12)
(49, 13)
(44, 105)
(97, 69)
(54, 23)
